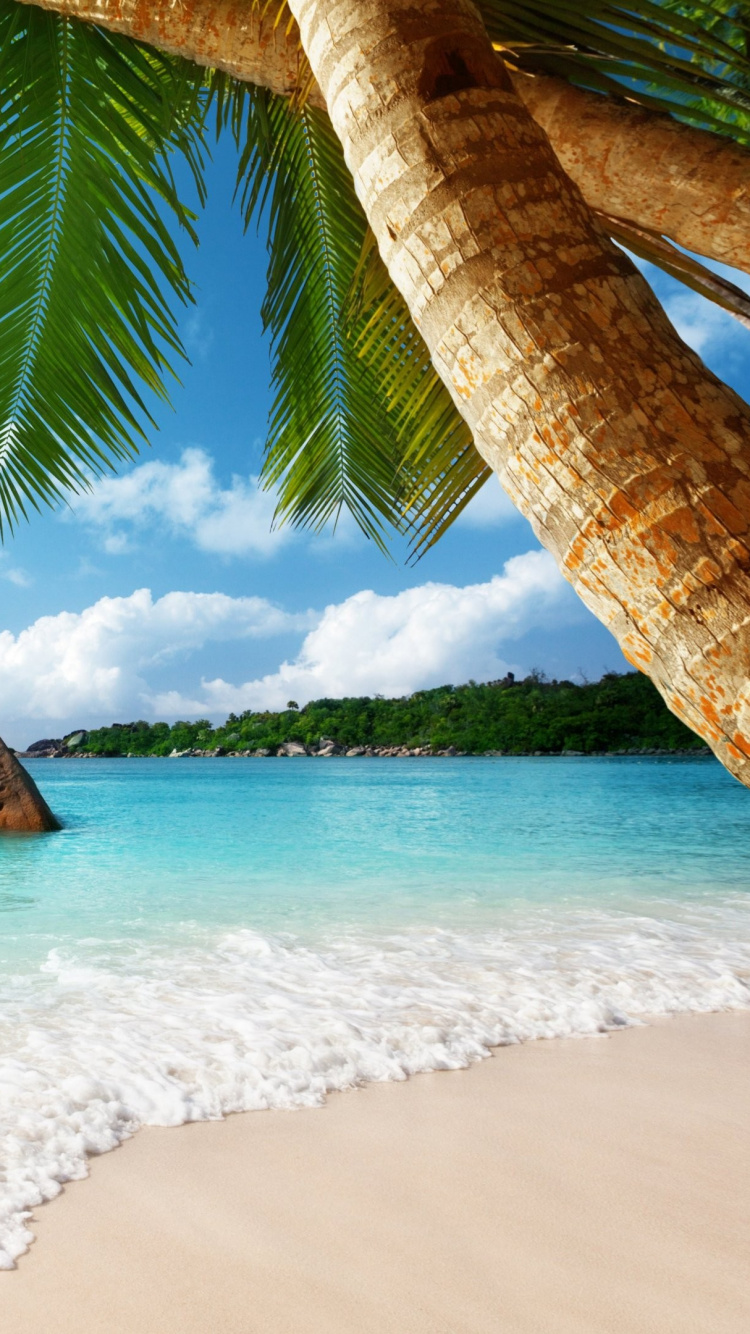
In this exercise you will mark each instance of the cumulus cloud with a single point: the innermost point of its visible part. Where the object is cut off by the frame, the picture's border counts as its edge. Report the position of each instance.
(105, 663)
(186, 497)
(394, 645)
(96, 662)
(234, 521)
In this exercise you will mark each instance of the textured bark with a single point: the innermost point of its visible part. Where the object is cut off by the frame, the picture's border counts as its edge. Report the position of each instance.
(237, 36)
(630, 459)
(627, 161)
(636, 164)
(22, 806)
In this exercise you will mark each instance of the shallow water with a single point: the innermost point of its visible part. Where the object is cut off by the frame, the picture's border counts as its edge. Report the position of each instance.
(208, 936)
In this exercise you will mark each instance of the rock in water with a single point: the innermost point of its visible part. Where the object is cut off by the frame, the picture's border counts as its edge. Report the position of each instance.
(22, 806)
(291, 748)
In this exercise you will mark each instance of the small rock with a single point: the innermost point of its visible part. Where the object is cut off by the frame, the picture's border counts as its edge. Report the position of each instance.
(47, 746)
(22, 806)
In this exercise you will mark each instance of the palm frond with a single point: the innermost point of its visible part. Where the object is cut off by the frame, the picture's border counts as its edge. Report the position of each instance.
(331, 444)
(88, 263)
(440, 470)
(89, 266)
(688, 59)
(388, 444)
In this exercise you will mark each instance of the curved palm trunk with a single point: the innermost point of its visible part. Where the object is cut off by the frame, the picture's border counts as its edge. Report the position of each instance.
(627, 161)
(630, 459)
(634, 163)
(238, 36)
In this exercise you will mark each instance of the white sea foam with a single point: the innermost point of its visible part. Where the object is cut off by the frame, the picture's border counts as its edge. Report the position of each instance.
(104, 1041)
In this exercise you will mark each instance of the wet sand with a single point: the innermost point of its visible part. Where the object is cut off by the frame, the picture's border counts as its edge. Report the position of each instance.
(572, 1187)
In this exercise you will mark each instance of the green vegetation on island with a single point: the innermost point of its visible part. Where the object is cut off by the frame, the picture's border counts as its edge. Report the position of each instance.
(617, 713)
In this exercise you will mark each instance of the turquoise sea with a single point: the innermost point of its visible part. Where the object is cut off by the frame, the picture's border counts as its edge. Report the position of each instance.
(207, 936)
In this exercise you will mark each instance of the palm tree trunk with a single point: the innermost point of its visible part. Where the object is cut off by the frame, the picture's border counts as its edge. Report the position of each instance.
(627, 161)
(630, 459)
(238, 36)
(633, 163)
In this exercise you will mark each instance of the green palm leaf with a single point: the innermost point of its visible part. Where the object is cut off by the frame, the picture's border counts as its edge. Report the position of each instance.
(331, 443)
(87, 257)
(439, 470)
(89, 269)
(418, 467)
(688, 59)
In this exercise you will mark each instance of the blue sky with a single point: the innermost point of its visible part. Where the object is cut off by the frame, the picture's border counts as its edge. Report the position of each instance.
(163, 593)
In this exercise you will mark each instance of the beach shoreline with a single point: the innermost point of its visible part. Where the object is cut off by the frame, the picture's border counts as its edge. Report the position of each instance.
(597, 1184)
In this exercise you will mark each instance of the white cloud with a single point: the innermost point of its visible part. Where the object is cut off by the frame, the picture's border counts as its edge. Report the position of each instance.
(102, 664)
(233, 521)
(95, 662)
(117, 544)
(393, 645)
(238, 522)
(188, 499)
(13, 574)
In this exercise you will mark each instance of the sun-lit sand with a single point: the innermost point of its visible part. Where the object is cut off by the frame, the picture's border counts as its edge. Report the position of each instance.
(571, 1186)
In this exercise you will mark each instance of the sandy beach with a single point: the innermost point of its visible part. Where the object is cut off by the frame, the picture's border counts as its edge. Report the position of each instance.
(579, 1185)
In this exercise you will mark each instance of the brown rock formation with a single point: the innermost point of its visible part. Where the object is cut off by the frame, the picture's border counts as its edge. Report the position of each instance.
(22, 806)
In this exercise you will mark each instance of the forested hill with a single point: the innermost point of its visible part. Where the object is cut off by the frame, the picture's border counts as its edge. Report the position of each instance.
(617, 713)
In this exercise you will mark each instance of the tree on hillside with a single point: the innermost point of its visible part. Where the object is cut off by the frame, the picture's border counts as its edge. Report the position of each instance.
(444, 299)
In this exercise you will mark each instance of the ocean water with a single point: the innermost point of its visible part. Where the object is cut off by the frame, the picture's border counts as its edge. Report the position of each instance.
(209, 936)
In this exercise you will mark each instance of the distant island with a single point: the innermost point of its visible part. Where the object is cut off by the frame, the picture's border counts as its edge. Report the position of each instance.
(619, 714)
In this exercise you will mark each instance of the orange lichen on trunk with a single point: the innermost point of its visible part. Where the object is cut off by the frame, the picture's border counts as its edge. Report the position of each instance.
(627, 161)
(634, 163)
(605, 429)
